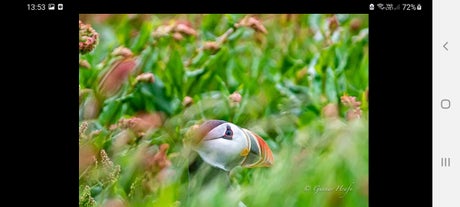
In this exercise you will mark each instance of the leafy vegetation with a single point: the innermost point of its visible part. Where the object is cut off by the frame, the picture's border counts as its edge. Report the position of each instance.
(299, 81)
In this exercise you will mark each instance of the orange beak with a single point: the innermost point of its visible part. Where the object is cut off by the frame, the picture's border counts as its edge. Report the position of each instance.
(263, 154)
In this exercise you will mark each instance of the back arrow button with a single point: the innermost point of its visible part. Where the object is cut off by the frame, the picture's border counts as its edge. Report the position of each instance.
(445, 46)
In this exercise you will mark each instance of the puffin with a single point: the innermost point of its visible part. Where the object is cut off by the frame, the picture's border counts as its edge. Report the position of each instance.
(225, 145)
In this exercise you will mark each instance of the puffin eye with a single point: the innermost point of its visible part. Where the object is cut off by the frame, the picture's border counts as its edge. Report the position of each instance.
(228, 133)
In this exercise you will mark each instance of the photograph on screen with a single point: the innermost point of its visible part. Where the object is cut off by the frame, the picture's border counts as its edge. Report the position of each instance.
(223, 110)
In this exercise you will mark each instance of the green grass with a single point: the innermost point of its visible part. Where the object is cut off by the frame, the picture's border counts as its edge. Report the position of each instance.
(291, 81)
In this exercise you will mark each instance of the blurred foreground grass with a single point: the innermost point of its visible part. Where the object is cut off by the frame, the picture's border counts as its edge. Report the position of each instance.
(299, 81)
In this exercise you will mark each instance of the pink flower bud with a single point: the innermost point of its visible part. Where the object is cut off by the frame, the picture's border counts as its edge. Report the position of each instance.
(354, 110)
(112, 80)
(211, 46)
(177, 36)
(185, 28)
(235, 97)
(331, 111)
(188, 101)
(145, 77)
(253, 23)
(122, 51)
(333, 23)
(355, 24)
(84, 64)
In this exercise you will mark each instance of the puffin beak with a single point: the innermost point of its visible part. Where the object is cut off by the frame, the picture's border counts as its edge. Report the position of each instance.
(260, 154)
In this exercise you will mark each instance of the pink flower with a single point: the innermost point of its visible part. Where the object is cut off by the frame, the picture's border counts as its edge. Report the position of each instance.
(88, 38)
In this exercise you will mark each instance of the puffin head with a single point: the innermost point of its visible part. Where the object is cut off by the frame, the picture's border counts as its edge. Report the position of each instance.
(225, 145)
